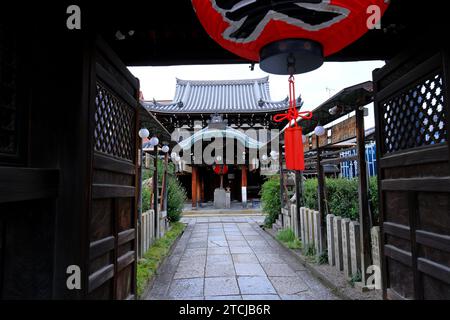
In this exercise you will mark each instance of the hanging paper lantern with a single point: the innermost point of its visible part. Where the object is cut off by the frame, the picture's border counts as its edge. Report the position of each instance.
(273, 32)
(319, 131)
(220, 169)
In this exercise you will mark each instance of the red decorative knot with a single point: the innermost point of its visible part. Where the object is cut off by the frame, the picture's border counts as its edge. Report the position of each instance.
(292, 114)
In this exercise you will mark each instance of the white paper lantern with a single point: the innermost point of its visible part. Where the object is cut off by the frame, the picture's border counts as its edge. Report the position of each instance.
(319, 131)
(144, 133)
(154, 141)
(165, 149)
(274, 155)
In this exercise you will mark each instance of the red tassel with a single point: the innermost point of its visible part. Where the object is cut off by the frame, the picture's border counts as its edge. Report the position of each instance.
(293, 141)
(293, 137)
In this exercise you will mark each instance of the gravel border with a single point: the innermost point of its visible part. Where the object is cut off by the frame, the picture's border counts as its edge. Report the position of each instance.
(330, 277)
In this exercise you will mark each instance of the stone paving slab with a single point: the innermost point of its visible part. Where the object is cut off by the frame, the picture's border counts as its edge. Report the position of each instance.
(231, 258)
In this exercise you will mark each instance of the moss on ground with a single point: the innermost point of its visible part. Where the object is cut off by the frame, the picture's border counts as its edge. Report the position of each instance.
(149, 263)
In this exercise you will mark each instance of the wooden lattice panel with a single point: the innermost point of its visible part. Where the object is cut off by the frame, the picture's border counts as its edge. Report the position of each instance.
(114, 125)
(415, 117)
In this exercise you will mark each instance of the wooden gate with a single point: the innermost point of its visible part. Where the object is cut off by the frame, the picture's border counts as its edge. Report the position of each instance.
(112, 229)
(68, 152)
(412, 113)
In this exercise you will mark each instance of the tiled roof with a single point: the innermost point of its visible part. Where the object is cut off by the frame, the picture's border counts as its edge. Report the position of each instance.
(228, 96)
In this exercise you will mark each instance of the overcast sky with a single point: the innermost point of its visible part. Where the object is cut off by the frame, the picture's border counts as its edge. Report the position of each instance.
(315, 87)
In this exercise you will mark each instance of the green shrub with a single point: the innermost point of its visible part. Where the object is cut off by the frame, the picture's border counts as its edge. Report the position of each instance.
(288, 237)
(270, 199)
(342, 197)
(176, 197)
(373, 198)
(176, 194)
(310, 191)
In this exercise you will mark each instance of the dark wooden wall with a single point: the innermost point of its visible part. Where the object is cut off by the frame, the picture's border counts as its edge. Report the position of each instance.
(68, 150)
(412, 118)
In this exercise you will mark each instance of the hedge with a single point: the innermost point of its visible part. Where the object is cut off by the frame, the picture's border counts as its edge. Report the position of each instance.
(176, 194)
(342, 197)
(270, 199)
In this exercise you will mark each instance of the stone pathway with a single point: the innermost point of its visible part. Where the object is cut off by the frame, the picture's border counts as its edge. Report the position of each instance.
(231, 258)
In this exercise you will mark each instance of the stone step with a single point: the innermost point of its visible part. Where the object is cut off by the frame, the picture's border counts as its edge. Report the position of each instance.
(213, 212)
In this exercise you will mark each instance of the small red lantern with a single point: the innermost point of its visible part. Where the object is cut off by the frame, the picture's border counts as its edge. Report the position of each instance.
(273, 31)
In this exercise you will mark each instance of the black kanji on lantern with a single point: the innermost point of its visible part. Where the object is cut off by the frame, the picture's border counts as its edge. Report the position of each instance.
(248, 18)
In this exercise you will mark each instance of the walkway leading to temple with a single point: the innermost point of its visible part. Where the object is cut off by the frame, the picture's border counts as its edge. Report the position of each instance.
(225, 257)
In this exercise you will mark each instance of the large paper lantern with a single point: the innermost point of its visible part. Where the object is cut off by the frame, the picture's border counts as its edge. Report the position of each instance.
(287, 36)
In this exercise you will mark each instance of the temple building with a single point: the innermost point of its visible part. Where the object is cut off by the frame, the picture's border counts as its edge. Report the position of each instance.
(238, 113)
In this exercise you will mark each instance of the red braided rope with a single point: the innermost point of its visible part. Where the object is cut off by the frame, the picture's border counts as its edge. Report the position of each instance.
(292, 113)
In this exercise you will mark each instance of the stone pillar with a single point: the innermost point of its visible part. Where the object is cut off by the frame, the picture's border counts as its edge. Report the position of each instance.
(338, 243)
(294, 220)
(330, 240)
(355, 247)
(306, 227)
(194, 187)
(244, 186)
(311, 227)
(303, 226)
(317, 232)
(346, 247)
(376, 246)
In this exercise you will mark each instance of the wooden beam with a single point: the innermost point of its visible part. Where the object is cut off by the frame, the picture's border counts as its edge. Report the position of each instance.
(21, 184)
(102, 191)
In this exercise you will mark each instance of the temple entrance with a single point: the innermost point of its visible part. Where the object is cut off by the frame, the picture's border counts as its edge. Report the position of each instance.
(232, 181)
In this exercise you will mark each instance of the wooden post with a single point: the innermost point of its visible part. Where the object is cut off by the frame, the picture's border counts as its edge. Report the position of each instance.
(162, 205)
(244, 186)
(364, 219)
(155, 192)
(321, 183)
(281, 176)
(202, 189)
(194, 187)
(199, 190)
(298, 197)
